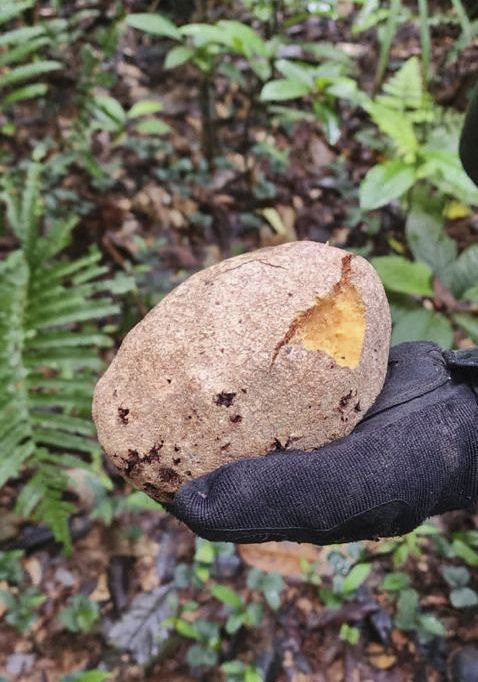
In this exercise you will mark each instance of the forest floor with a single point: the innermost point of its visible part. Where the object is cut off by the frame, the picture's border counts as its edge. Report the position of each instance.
(168, 211)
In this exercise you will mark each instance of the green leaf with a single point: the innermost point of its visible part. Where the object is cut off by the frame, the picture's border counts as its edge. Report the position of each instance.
(204, 552)
(144, 107)
(227, 596)
(21, 35)
(27, 71)
(283, 89)
(404, 276)
(407, 605)
(471, 294)
(155, 24)
(464, 552)
(405, 88)
(463, 597)
(464, 273)
(395, 581)
(255, 614)
(111, 107)
(443, 169)
(234, 622)
(456, 576)
(153, 127)
(432, 625)
(356, 577)
(186, 629)
(385, 183)
(13, 9)
(139, 501)
(349, 633)
(202, 34)
(428, 240)
(178, 56)
(241, 38)
(423, 325)
(10, 466)
(397, 126)
(468, 324)
(303, 73)
(88, 676)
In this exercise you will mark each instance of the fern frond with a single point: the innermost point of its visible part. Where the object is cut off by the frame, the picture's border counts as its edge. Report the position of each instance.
(49, 341)
(19, 36)
(62, 339)
(19, 52)
(22, 55)
(26, 72)
(397, 126)
(404, 90)
(43, 496)
(11, 10)
(27, 92)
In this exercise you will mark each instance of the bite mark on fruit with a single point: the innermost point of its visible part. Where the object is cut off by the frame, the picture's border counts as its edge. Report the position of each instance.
(334, 325)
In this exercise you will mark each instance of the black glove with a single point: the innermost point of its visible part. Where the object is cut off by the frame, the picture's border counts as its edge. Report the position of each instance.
(415, 454)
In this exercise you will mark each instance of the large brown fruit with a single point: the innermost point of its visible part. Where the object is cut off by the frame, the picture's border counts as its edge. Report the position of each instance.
(285, 347)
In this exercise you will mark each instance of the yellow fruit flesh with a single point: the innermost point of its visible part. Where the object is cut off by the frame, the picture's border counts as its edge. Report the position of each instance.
(336, 326)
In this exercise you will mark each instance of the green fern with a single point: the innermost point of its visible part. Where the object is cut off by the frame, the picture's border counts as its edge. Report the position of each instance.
(21, 49)
(49, 359)
(402, 107)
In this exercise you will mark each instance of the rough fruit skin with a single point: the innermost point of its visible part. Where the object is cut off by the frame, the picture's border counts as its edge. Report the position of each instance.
(220, 369)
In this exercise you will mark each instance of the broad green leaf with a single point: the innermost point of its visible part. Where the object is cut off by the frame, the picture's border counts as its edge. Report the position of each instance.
(407, 605)
(395, 581)
(155, 24)
(144, 107)
(186, 629)
(404, 276)
(464, 272)
(456, 576)
(463, 597)
(138, 501)
(178, 56)
(443, 169)
(111, 107)
(385, 183)
(428, 240)
(153, 127)
(283, 89)
(241, 38)
(202, 34)
(471, 294)
(303, 73)
(468, 324)
(423, 325)
(227, 596)
(234, 622)
(204, 552)
(356, 577)
(431, 624)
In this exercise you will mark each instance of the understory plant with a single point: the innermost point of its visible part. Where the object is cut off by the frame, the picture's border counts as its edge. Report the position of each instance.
(50, 343)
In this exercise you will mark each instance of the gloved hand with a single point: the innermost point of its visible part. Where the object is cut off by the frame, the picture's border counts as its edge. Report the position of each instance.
(415, 454)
